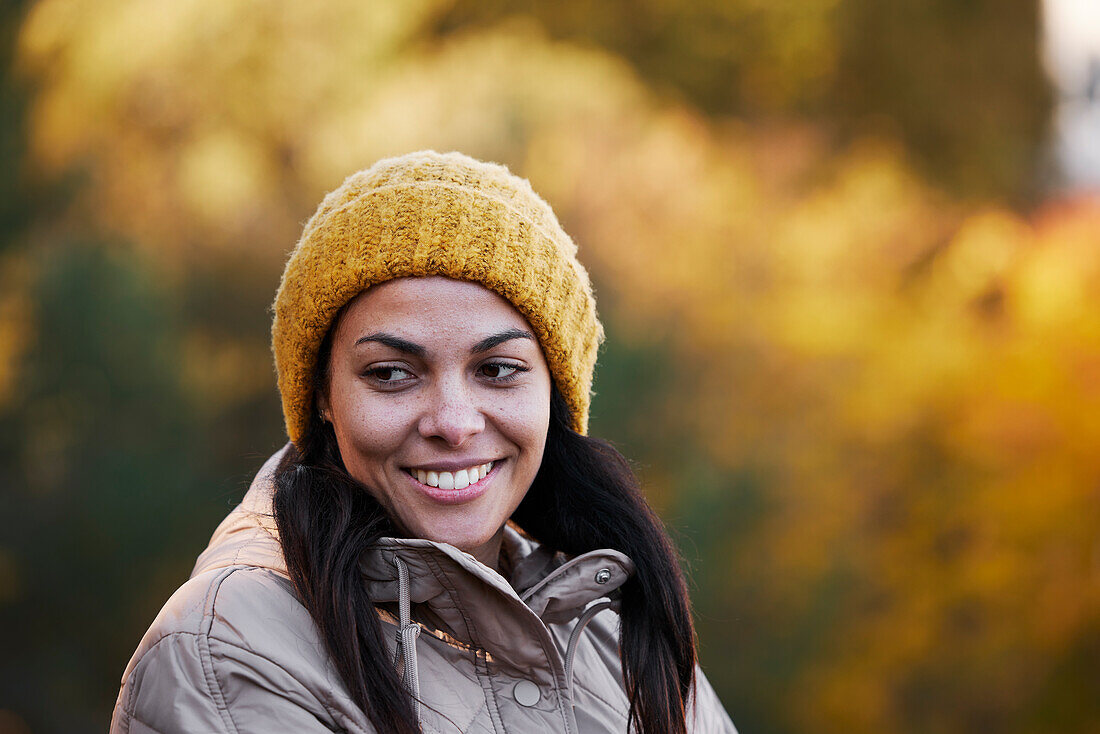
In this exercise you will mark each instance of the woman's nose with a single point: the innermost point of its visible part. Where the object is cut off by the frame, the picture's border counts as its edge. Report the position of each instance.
(452, 416)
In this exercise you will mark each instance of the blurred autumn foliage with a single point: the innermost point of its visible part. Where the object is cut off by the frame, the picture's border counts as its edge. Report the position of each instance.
(852, 345)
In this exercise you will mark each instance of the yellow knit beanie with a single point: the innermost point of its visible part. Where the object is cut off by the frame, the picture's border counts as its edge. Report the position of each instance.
(427, 214)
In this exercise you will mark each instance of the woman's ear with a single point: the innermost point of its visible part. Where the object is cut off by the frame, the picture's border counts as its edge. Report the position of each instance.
(321, 402)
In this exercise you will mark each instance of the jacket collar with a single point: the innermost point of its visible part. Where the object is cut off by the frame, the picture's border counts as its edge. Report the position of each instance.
(459, 596)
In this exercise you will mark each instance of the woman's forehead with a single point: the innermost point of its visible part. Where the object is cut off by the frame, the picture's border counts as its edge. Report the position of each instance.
(429, 307)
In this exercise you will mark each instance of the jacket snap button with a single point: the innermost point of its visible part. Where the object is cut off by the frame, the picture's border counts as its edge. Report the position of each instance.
(603, 576)
(526, 693)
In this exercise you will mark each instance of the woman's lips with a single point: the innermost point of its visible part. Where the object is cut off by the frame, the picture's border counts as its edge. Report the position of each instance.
(454, 487)
(459, 479)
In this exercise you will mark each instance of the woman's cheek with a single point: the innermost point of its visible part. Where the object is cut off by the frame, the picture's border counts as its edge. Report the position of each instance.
(379, 429)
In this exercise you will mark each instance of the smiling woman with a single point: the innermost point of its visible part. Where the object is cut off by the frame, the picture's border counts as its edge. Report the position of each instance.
(439, 398)
(440, 547)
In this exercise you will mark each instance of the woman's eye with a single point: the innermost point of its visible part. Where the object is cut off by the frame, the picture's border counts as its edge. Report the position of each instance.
(496, 371)
(389, 374)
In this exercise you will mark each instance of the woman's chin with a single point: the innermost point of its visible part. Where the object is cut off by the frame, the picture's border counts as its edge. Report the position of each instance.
(481, 542)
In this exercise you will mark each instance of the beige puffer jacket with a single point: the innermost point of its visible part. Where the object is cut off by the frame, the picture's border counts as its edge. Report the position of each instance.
(234, 651)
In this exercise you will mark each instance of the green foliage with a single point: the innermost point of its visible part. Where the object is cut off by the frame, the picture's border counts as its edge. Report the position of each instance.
(959, 82)
(88, 440)
(113, 474)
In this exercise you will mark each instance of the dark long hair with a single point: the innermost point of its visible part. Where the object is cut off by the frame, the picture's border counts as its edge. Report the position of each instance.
(585, 496)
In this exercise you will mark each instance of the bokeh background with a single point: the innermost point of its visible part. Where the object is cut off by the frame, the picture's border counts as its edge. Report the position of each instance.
(847, 253)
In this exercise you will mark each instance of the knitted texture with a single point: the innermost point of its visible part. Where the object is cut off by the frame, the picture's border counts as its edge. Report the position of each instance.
(426, 214)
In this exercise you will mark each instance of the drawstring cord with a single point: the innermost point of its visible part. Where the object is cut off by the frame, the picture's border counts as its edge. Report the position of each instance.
(575, 637)
(407, 632)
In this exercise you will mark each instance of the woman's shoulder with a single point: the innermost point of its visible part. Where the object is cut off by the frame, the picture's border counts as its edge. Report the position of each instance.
(598, 680)
(225, 639)
(244, 606)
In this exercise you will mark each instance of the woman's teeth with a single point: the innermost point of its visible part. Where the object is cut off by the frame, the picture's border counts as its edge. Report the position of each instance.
(460, 479)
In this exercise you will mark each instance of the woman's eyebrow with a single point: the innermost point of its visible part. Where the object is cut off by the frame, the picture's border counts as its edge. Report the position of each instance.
(393, 342)
(496, 339)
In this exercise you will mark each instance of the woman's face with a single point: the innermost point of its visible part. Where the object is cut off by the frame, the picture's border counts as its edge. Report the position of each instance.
(439, 397)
